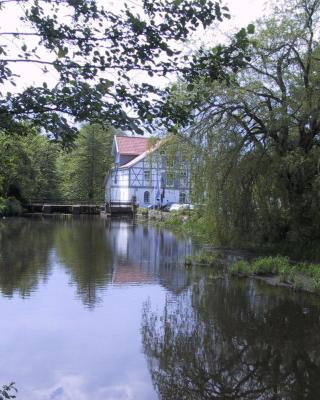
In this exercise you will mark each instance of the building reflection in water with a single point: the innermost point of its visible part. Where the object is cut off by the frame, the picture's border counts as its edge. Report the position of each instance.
(94, 253)
(145, 255)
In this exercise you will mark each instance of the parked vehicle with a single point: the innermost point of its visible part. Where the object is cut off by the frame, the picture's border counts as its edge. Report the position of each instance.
(153, 207)
(166, 207)
(178, 207)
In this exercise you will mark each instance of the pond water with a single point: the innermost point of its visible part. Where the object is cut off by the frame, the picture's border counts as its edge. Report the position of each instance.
(105, 310)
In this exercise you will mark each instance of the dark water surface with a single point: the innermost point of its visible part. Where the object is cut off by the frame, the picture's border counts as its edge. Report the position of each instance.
(100, 310)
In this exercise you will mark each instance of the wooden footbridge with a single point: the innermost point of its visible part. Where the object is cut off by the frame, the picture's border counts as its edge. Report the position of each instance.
(120, 207)
(56, 207)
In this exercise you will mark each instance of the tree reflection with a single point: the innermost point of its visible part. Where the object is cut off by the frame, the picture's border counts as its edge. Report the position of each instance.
(24, 254)
(224, 341)
(83, 249)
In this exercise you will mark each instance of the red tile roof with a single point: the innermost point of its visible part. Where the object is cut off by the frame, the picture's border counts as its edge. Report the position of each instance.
(132, 145)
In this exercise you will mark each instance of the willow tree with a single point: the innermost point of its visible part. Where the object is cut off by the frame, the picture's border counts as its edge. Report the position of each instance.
(260, 126)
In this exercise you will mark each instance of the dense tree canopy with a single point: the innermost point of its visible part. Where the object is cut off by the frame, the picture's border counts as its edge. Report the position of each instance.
(259, 128)
(83, 42)
(27, 169)
(82, 172)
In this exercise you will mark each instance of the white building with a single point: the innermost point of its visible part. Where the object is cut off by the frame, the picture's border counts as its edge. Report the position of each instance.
(141, 174)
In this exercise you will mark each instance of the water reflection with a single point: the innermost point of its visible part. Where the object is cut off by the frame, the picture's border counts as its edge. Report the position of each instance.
(147, 255)
(84, 252)
(94, 254)
(203, 338)
(225, 340)
(24, 256)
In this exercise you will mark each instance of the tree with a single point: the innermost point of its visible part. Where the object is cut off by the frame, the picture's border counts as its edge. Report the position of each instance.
(27, 166)
(261, 127)
(82, 172)
(83, 50)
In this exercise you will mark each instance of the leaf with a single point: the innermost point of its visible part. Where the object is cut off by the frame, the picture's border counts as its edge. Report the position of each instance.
(62, 52)
(251, 29)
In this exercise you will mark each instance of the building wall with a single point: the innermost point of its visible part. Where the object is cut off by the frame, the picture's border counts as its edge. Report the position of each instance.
(148, 175)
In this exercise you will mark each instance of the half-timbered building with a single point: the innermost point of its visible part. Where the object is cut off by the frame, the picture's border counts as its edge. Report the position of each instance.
(143, 175)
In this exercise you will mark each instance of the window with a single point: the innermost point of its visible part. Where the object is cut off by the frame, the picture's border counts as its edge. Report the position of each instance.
(170, 179)
(182, 198)
(146, 198)
(147, 177)
(183, 178)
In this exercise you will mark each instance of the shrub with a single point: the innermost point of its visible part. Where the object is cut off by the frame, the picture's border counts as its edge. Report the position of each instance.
(143, 211)
(270, 265)
(240, 268)
(3, 205)
(316, 283)
(188, 261)
(206, 259)
(287, 273)
(13, 206)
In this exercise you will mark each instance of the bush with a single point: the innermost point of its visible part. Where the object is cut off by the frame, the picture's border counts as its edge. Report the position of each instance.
(240, 268)
(316, 283)
(14, 206)
(207, 259)
(143, 211)
(10, 207)
(188, 261)
(3, 206)
(287, 273)
(270, 265)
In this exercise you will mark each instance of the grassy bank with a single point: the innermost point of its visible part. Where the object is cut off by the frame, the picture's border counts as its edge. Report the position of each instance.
(299, 276)
(197, 225)
(277, 271)
(188, 222)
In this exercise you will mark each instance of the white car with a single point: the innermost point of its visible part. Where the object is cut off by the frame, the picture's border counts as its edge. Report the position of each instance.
(177, 207)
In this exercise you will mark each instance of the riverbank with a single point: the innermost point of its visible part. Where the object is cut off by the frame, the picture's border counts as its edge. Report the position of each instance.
(184, 221)
(278, 271)
(197, 225)
(275, 271)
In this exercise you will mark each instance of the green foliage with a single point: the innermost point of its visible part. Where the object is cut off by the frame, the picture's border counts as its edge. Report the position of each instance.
(265, 266)
(298, 276)
(27, 170)
(257, 129)
(287, 274)
(92, 40)
(204, 258)
(316, 283)
(82, 171)
(143, 211)
(12, 207)
(240, 268)
(270, 265)
(188, 261)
